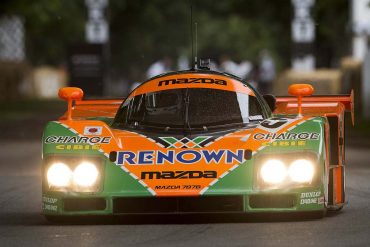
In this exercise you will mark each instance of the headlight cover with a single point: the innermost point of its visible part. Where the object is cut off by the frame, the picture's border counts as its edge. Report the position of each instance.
(85, 174)
(273, 171)
(59, 175)
(301, 171)
(286, 170)
(73, 174)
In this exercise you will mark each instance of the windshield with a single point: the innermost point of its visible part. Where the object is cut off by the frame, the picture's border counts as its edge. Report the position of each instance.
(188, 108)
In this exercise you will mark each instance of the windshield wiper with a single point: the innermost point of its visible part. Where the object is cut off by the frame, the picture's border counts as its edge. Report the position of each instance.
(186, 112)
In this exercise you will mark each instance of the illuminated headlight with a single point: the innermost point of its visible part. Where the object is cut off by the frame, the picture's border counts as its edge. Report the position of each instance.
(273, 171)
(287, 171)
(73, 174)
(59, 175)
(85, 174)
(301, 171)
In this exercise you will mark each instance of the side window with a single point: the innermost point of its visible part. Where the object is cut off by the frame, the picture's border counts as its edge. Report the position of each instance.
(136, 109)
(254, 107)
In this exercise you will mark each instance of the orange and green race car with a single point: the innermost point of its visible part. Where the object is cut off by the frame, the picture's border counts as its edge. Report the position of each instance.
(195, 141)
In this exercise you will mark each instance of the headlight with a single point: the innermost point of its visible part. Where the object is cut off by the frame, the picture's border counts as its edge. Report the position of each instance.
(287, 170)
(73, 174)
(59, 175)
(301, 171)
(85, 174)
(273, 171)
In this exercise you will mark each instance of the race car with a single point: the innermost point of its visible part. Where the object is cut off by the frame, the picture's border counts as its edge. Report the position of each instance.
(195, 141)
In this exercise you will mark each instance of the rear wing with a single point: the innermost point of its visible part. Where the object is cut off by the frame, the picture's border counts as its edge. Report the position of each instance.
(83, 109)
(322, 105)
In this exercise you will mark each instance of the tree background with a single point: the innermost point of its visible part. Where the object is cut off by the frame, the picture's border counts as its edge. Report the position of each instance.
(142, 31)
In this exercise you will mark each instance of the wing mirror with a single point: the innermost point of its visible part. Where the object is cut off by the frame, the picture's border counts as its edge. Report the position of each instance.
(69, 94)
(300, 90)
(271, 101)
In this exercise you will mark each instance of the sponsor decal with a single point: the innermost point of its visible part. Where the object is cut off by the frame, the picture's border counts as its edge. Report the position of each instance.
(256, 117)
(49, 200)
(285, 143)
(93, 130)
(192, 80)
(178, 174)
(310, 197)
(178, 187)
(185, 142)
(48, 204)
(187, 157)
(50, 207)
(167, 187)
(287, 136)
(275, 124)
(77, 147)
(78, 139)
(310, 194)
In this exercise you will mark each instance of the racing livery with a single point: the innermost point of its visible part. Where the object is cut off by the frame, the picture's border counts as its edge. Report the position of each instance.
(195, 141)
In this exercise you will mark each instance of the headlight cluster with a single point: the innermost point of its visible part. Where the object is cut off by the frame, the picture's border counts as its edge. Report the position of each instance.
(69, 175)
(276, 172)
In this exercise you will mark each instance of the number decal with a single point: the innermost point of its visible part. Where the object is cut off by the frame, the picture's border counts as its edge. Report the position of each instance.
(275, 124)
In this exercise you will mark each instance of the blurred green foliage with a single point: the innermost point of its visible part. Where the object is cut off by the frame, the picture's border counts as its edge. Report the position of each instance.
(333, 31)
(157, 28)
(50, 25)
(142, 31)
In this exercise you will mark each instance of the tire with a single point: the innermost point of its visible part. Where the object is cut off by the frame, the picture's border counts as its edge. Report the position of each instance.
(336, 209)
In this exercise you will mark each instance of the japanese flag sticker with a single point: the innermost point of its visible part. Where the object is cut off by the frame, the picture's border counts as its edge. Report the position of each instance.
(93, 130)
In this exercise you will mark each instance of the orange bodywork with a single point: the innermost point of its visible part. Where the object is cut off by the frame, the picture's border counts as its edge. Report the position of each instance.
(317, 105)
(324, 106)
(311, 106)
(83, 109)
(338, 174)
(191, 80)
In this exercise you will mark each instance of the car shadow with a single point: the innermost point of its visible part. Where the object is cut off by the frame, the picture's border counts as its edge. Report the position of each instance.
(36, 219)
(186, 219)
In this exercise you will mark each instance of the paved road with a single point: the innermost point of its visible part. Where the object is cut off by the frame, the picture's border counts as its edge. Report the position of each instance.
(22, 225)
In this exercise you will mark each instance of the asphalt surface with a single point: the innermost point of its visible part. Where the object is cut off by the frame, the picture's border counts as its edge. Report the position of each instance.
(21, 223)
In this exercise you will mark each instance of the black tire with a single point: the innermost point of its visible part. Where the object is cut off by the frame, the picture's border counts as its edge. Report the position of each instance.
(335, 209)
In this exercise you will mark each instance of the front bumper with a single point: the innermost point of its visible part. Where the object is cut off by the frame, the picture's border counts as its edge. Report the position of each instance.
(303, 200)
